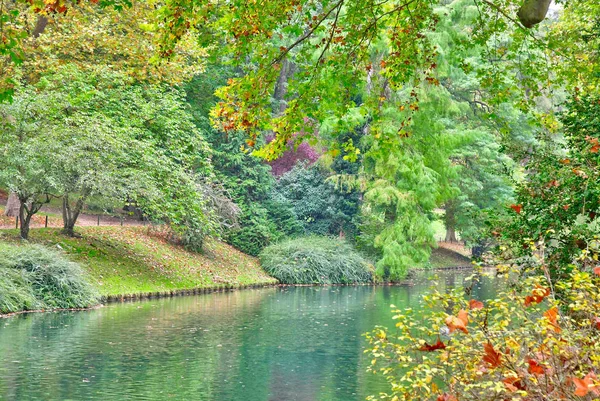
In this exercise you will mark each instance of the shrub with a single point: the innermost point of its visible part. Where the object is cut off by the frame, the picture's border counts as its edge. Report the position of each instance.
(315, 260)
(35, 277)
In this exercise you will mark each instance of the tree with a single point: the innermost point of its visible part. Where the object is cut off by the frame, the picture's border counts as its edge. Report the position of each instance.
(26, 156)
(320, 207)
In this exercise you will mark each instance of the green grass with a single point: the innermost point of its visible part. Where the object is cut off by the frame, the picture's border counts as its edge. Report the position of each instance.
(315, 260)
(128, 261)
(442, 258)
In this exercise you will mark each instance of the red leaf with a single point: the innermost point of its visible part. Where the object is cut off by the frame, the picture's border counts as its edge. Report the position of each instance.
(517, 208)
(436, 346)
(475, 304)
(597, 270)
(535, 368)
(446, 397)
(491, 357)
(537, 295)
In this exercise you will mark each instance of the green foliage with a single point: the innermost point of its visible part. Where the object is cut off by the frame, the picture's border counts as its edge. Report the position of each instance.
(320, 207)
(35, 277)
(246, 179)
(558, 202)
(315, 260)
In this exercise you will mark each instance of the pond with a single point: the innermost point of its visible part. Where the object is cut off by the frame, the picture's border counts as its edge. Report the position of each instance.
(275, 344)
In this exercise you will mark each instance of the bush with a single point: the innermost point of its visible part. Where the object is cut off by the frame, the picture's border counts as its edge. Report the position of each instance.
(315, 260)
(34, 277)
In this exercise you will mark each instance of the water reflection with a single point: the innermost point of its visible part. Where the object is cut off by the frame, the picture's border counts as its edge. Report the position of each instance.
(273, 344)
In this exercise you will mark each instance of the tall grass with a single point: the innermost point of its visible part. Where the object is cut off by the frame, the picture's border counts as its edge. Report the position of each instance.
(315, 260)
(35, 277)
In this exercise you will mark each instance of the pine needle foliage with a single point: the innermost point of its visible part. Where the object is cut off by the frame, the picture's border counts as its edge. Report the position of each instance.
(35, 277)
(315, 260)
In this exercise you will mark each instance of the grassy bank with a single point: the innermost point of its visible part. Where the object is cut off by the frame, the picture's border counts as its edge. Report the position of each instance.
(127, 261)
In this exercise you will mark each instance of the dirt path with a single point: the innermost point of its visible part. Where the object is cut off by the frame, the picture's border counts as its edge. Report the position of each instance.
(55, 220)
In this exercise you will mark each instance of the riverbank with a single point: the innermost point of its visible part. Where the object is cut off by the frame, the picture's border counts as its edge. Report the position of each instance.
(129, 262)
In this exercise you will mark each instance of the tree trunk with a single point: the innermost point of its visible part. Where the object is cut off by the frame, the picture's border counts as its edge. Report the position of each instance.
(24, 220)
(451, 234)
(450, 223)
(70, 215)
(12, 205)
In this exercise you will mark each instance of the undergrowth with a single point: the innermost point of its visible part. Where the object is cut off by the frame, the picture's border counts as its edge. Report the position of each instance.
(315, 260)
(35, 277)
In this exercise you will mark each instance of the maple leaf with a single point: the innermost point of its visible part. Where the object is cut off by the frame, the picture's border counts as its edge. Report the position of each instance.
(475, 304)
(492, 357)
(535, 368)
(585, 385)
(517, 208)
(552, 315)
(458, 322)
(430, 348)
(513, 384)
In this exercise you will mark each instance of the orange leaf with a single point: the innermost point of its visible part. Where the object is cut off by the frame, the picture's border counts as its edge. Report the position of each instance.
(585, 385)
(597, 270)
(446, 397)
(535, 368)
(436, 346)
(458, 323)
(491, 357)
(513, 384)
(517, 208)
(475, 304)
(552, 315)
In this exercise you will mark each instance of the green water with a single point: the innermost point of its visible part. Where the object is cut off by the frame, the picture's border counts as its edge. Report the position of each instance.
(281, 344)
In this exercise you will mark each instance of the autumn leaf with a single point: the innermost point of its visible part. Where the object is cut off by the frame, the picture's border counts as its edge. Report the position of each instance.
(585, 385)
(430, 348)
(446, 397)
(513, 384)
(491, 357)
(517, 208)
(458, 322)
(475, 304)
(552, 315)
(597, 270)
(535, 368)
(537, 295)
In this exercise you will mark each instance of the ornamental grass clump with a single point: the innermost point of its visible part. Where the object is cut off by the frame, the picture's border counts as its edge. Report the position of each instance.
(315, 260)
(35, 277)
